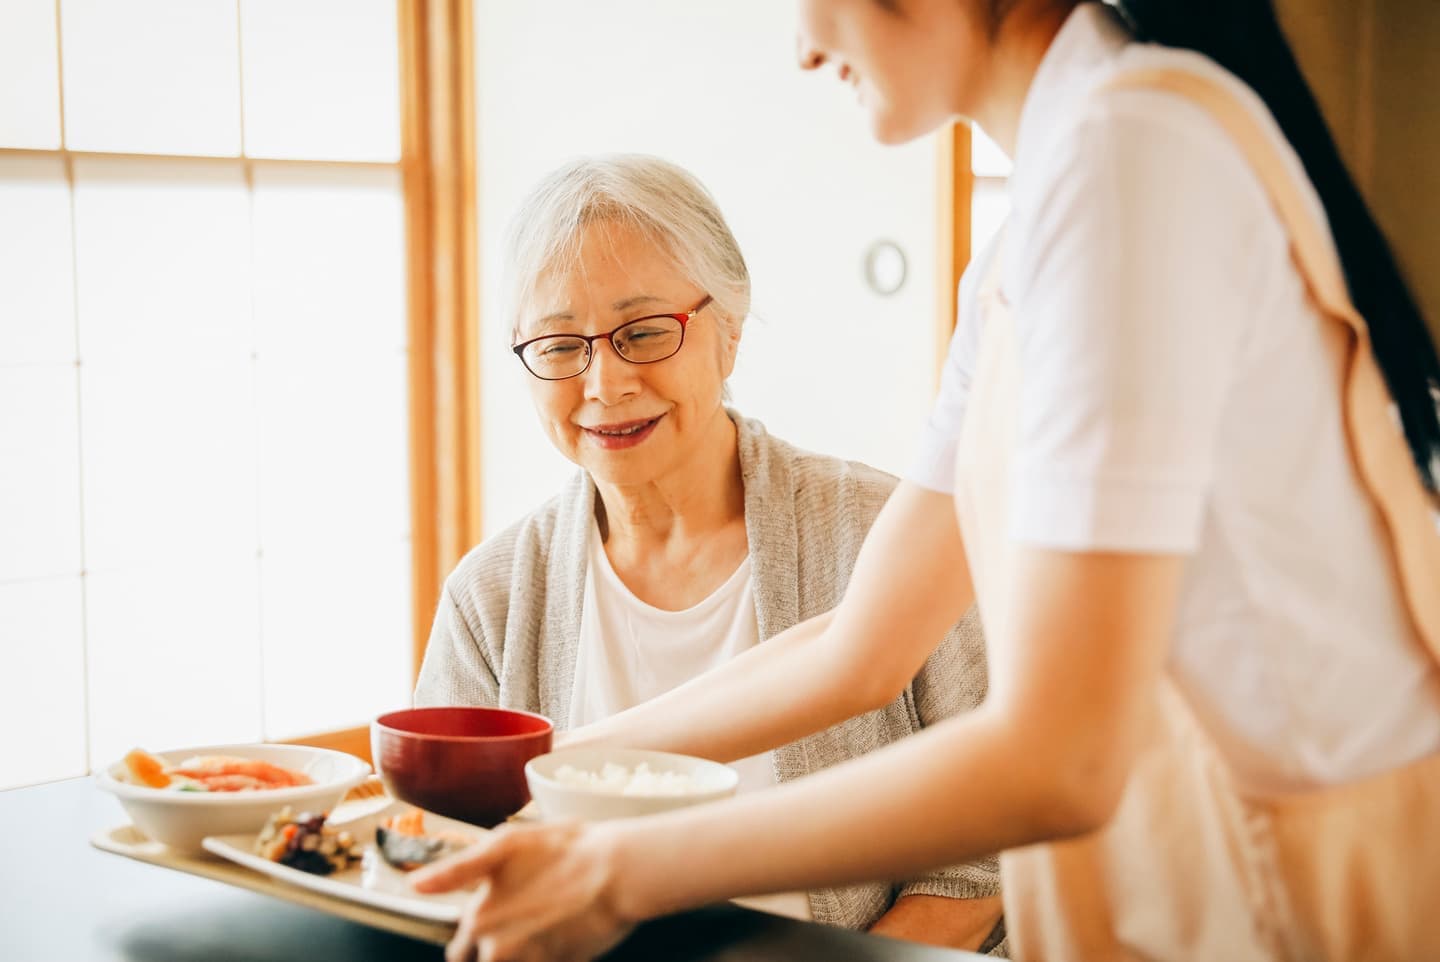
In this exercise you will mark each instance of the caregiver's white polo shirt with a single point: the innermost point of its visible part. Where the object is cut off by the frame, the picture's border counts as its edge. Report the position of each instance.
(1177, 399)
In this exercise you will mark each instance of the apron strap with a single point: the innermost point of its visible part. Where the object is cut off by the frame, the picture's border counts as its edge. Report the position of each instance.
(1377, 445)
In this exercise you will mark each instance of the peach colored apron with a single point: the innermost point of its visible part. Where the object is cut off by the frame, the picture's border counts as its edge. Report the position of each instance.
(1191, 867)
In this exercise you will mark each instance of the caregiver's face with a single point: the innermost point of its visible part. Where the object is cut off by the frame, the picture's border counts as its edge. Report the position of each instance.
(628, 423)
(914, 64)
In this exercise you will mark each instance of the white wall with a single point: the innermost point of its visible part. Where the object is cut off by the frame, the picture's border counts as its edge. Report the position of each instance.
(712, 85)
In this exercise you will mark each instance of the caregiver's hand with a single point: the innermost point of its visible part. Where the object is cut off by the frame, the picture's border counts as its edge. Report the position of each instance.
(546, 892)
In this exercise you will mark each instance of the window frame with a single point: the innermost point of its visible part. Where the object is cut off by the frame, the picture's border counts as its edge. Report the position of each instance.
(955, 190)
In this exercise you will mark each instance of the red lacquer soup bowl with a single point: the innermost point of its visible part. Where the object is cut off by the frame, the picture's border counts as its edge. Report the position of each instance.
(466, 763)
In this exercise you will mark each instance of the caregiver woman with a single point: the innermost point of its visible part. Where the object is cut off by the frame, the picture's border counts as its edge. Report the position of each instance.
(1192, 498)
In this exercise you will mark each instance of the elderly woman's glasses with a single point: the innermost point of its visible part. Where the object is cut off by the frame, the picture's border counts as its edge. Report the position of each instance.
(645, 340)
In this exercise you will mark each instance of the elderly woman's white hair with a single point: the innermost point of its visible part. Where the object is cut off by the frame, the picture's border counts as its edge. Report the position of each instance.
(661, 200)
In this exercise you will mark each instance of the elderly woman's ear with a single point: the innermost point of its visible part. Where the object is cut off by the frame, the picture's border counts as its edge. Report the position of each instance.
(729, 344)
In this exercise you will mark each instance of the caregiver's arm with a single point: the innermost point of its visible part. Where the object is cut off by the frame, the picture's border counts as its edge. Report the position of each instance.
(1045, 757)
(910, 585)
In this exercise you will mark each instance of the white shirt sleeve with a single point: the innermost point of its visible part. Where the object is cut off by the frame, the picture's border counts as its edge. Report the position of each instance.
(934, 464)
(1134, 285)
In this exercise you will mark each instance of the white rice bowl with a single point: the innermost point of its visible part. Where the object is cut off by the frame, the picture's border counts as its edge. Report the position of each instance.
(594, 784)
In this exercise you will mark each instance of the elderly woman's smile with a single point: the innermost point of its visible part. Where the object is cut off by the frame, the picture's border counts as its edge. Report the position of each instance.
(621, 434)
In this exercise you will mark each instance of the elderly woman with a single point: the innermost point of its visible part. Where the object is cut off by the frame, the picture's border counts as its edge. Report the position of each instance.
(689, 534)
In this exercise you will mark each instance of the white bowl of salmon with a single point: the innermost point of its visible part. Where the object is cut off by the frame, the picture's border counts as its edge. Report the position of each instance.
(179, 797)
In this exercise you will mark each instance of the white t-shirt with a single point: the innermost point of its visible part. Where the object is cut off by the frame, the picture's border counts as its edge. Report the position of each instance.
(630, 652)
(1177, 398)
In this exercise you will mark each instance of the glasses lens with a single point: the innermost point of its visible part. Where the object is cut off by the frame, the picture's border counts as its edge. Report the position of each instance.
(557, 357)
(649, 339)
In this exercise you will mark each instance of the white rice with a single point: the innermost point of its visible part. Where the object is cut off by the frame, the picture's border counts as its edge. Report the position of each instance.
(616, 779)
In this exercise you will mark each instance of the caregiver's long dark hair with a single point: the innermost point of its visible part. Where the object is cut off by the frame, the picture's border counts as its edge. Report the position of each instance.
(1244, 37)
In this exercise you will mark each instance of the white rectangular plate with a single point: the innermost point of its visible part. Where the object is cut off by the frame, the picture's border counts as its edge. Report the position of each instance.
(374, 882)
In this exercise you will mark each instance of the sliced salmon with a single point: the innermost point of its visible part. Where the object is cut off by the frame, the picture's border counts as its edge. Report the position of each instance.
(223, 773)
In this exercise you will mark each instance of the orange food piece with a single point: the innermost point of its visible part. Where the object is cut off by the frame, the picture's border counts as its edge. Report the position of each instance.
(233, 783)
(409, 822)
(146, 769)
(224, 773)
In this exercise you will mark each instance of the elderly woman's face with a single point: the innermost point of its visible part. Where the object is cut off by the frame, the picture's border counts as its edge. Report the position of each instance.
(628, 423)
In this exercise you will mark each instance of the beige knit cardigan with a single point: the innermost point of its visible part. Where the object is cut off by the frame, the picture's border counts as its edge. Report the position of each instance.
(508, 626)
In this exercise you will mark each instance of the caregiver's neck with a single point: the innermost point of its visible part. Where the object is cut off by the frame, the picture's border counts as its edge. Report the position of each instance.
(1020, 45)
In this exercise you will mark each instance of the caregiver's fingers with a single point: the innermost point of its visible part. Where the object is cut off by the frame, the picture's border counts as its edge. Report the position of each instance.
(468, 865)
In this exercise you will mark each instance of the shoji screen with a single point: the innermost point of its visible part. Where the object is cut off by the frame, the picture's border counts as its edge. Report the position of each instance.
(204, 495)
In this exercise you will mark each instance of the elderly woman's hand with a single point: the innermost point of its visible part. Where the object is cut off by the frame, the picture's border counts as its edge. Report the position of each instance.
(547, 892)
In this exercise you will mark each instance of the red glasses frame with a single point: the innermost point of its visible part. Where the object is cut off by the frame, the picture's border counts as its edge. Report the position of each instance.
(683, 318)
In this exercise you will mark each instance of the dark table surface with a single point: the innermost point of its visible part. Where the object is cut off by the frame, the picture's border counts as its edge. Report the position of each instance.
(62, 900)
